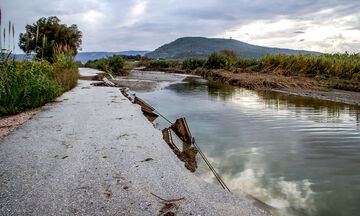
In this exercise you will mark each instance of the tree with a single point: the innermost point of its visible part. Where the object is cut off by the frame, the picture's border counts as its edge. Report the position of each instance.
(228, 52)
(47, 34)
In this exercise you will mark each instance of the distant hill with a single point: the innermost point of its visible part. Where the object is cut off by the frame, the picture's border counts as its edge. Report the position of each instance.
(201, 47)
(86, 56)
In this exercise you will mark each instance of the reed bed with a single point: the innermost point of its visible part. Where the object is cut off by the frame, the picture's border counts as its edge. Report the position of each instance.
(29, 84)
(340, 71)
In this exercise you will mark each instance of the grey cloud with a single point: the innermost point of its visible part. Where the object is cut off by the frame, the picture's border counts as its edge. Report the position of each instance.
(336, 37)
(164, 20)
(206, 14)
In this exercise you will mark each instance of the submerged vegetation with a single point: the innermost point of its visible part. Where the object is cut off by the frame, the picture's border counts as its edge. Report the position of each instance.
(341, 71)
(30, 84)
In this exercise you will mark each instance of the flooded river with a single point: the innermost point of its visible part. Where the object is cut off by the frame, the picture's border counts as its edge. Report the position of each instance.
(297, 154)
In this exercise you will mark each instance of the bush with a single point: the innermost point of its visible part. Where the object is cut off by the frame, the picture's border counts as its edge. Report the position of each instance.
(116, 64)
(246, 63)
(230, 53)
(144, 61)
(79, 64)
(26, 85)
(216, 61)
(164, 63)
(193, 63)
(113, 64)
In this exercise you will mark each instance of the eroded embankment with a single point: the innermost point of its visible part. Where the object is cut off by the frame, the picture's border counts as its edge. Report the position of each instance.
(257, 80)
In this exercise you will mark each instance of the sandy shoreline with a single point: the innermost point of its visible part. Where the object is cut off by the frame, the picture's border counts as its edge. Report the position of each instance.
(145, 81)
(335, 95)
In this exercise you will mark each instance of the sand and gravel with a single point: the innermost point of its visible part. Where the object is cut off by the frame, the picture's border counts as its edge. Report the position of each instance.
(335, 95)
(92, 152)
(10, 123)
(145, 81)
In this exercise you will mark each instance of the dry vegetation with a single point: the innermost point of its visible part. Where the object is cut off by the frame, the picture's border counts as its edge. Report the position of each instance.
(328, 71)
(257, 80)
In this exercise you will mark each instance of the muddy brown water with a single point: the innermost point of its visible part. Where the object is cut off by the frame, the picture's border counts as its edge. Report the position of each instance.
(297, 154)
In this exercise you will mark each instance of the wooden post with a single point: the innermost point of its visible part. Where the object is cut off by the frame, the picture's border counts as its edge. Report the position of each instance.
(145, 108)
(181, 129)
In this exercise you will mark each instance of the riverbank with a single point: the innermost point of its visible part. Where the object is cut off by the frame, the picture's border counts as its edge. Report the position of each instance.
(295, 85)
(92, 152)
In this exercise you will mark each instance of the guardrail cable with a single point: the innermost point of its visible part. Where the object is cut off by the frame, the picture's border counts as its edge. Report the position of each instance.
(217, 176)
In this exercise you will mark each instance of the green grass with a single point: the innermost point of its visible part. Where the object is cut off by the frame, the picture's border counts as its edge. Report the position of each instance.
(26, 85)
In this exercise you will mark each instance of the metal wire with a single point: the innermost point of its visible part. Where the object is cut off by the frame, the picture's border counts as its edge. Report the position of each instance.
(222, 183)
(217, 176)
(157, 112)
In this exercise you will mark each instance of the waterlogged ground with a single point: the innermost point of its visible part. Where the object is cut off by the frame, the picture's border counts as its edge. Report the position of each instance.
(297, 154)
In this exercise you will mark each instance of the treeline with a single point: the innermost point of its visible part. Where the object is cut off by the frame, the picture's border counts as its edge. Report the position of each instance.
(131, 57)
(340, 71)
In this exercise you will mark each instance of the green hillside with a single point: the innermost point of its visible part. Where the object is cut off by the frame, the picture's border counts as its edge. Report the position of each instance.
(201, 47)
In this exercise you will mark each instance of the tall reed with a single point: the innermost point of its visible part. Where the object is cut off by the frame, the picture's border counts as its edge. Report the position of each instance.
(13, 31)
(9, 35)
(4, 35)
(0, 32)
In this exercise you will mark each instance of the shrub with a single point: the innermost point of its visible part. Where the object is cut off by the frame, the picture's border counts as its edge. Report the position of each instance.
(164, 63)
(193, 63)
(116, 64)
(216, 61)
(79, 64)
(113, 64)
(26, 85)
(228, 52)
(246, 63)
(144, 61)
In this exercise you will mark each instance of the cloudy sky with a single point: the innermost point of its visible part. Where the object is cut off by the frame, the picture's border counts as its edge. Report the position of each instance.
(118, 25)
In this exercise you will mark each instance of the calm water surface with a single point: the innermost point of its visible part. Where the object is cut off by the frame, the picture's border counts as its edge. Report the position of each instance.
(299, 155)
